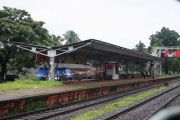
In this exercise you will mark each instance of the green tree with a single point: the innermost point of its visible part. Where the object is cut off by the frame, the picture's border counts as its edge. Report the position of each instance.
(165, 37)
(155, 41)
(17, 26)
(71, 37)
(56, 40)
(140, 47)
(22, 59)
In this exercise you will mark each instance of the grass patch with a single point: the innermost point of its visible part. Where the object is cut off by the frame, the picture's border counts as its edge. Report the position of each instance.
(23, 84)
(118, 104)
(167, 75)
(175, 83)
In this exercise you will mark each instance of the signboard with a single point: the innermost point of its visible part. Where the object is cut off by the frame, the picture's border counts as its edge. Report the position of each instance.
(172, 53)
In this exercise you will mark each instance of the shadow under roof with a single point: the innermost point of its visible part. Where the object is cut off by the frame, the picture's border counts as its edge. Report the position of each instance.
(107, 47)
(96, 48)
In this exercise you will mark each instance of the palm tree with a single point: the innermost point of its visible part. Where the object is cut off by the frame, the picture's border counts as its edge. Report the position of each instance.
(71, 37)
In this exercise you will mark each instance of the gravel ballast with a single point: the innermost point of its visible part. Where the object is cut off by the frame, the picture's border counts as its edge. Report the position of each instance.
(143, 111)
(70, 115)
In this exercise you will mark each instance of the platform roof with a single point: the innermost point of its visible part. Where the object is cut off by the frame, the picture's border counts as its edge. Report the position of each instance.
(91, 48)
(98, 48)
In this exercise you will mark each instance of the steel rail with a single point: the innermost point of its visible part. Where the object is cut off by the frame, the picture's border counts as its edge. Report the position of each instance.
(115, 115)
(162, 107)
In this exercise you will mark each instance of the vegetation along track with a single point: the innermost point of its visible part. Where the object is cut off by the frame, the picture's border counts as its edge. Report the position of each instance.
(143, 110)
(48, 113)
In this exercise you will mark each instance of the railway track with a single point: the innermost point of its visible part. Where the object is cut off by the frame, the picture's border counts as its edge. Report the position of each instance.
(50, 112)
(133, 112)
(162, 107)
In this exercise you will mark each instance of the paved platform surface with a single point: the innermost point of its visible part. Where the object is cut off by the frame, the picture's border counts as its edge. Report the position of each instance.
(23, 93)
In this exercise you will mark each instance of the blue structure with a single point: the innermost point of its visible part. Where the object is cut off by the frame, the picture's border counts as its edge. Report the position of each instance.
(59, 72)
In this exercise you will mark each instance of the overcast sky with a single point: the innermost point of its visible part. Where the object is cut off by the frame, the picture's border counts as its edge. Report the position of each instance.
(120, 22)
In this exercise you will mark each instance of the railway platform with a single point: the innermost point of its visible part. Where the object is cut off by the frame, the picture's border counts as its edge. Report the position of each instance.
(27, 100)
(74, 86)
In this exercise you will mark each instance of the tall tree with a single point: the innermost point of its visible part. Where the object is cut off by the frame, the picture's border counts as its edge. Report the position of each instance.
(56, 40)
(165, 37)
(155, 41)
(140, 47)
(71, 37)
(17, 26)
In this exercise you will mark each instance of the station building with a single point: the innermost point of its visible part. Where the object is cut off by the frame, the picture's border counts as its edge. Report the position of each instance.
(95, 60)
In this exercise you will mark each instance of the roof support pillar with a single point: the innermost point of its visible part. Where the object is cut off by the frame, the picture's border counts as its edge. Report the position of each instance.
(127, 67)
(52, 68)
(151, 68)
(160, 65)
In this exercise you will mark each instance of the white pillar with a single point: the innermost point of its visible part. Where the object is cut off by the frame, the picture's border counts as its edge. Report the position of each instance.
(51, 54)
(160, 51)
(160, 68)
(52, 69)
